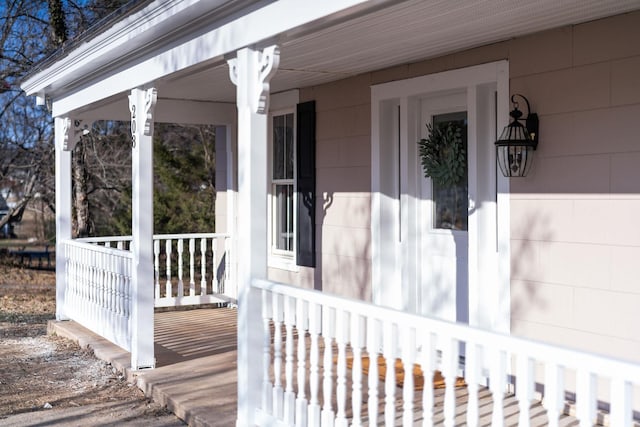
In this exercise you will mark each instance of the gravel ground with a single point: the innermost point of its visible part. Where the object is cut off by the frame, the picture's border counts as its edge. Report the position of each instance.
(49, 380)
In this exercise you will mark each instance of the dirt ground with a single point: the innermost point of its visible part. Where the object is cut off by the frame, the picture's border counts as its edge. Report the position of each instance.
(49, 380)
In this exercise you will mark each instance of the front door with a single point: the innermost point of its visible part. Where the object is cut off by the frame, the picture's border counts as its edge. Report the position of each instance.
(441, 251)
(443, 278)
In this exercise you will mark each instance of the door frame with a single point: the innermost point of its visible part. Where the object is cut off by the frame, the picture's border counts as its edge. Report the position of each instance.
(395, 190)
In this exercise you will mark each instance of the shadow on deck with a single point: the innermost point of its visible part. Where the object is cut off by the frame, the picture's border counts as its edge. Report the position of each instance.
(195, 377)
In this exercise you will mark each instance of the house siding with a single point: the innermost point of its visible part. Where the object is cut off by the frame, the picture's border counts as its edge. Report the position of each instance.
(575, 240)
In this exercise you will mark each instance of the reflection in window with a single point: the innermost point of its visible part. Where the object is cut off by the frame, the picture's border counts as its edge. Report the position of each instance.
(282, 188)
(450, 203)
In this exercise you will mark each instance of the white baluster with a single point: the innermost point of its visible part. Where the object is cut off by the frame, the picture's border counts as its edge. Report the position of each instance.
(449, 372)
(278, 392)
(408, 349)
(215, 286)
(473, 357)
(498, 384)
(203, 266)
(427, 359)
(107, 244)
(621, 411)
(289, 395)
(95, 315)
(524, 387)
(328, 328)
(389, 352)
(342, 338)
(554, 392)
(301, 401)
(116, 298)
(373, 346)
(108, 275)
(315, 328)
(586, 397)
(120, 244)
(180, 268)
(101, 314)
(120, 295)
(156, 265)
(192, 267)
(168, 292)
(267, 388)
(228, 279)
(358, 341)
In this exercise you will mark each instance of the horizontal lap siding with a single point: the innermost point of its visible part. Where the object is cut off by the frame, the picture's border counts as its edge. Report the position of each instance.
(575, 236)
(574, 228)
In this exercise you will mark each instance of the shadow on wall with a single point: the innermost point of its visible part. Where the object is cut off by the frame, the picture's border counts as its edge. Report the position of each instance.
(525, 263)
(344, 269)
(327, 201)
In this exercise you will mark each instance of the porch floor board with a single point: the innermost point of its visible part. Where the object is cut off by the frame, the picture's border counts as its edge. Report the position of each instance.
(196, 370)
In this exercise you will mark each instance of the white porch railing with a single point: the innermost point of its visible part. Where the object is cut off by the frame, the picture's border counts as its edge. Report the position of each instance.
(98, 292)
(190, 269)
(345, 330)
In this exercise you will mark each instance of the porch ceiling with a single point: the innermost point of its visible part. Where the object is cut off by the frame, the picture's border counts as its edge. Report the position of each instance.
(379, 36)
(404, 32)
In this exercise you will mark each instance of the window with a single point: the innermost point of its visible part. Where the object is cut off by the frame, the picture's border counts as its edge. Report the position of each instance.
(292, 184)
(283, 185)
(451, 203)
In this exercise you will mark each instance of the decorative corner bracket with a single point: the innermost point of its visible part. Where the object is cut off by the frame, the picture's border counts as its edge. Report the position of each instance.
(258, 79)
(149, 100)
(73, 129)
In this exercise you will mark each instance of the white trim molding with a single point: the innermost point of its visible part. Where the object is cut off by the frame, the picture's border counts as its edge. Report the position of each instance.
(396, 191)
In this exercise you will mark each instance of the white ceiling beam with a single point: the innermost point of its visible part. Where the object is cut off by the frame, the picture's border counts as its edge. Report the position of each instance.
(169, 111)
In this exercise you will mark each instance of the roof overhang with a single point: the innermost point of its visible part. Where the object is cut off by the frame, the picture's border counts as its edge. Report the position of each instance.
(180, 46)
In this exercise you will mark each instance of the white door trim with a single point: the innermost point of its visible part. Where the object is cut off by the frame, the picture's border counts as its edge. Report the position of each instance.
(394, 191)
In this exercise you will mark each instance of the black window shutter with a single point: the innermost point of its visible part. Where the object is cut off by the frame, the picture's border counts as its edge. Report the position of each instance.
(306, 184)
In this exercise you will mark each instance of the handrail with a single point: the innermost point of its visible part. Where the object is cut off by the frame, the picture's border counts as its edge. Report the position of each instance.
(569, 357)
(99, 249)
(105, 239)
(481, 356)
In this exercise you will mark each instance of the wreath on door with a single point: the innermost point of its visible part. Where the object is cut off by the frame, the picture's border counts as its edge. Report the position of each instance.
(443, 155)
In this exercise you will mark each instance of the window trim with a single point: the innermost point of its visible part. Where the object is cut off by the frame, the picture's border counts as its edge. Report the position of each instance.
(279, 258)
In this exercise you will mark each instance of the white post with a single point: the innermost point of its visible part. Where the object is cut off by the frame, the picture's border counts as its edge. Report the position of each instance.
(63, 209)
(251, 71)
(141, 104)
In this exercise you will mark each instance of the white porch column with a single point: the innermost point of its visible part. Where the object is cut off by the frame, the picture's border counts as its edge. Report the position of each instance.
(141, 105)
(63, 131)
(251, 71)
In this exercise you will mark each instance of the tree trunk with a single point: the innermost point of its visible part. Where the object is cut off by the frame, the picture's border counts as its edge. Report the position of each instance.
(58, 23)
(82, 225)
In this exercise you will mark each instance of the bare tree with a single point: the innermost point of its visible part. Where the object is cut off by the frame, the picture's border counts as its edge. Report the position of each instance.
(25, 137)
(26, 134)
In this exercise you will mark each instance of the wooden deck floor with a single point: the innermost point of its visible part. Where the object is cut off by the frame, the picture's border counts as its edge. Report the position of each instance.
(196, 372)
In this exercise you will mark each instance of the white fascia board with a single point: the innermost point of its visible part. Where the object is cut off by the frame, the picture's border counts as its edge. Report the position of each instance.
(124, 37)
(263, 24)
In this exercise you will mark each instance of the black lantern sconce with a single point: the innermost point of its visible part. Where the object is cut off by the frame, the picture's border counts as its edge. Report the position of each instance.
(515, 147)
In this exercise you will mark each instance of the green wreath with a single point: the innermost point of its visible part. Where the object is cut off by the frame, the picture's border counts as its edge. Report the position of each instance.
(443, 155)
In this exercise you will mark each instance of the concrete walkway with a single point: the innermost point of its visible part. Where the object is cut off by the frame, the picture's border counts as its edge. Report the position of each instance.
(195, 375)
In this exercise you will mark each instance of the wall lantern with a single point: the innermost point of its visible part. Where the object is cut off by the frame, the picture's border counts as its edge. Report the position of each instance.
(517, 142)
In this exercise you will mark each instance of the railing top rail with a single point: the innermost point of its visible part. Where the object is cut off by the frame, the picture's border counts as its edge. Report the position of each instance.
(543, 352)
(189, 236)
(98, 249)
(106, 239)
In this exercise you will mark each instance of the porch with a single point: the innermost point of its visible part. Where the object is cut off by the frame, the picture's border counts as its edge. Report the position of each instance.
(325, 379)
(196, 375)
